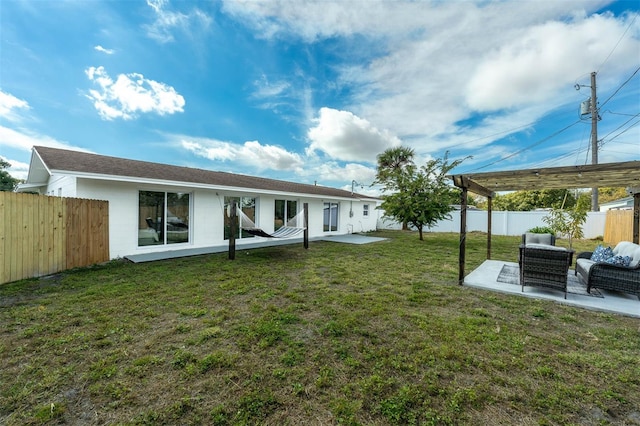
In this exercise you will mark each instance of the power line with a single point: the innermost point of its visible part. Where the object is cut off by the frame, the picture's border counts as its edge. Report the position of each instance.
(621, 86)
(616, 46)
(504, 131)
(619, 113)
(624, 131)
(526, 148)
(622, 125)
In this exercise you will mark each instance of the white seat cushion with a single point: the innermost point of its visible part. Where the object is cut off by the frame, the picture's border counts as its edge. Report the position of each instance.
(584, 264)
(531, 238)
(626, 248)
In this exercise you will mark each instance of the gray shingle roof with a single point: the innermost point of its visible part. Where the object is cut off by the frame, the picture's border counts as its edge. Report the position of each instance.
(62, 160)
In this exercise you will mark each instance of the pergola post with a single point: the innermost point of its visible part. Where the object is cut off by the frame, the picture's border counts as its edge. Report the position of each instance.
(232, 231)
(463, 235)
(465, 186)
(305, 206)
(489, 227)
(636, 218)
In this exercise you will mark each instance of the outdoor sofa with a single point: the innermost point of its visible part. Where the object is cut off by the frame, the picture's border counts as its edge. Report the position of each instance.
(597, 272)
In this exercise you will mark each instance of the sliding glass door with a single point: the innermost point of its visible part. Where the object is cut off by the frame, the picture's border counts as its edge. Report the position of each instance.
(330, 217)
(163, 218)
(285, 210)
(248, 207)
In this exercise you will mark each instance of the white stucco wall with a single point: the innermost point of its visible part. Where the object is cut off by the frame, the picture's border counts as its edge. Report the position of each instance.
(206, 214)
(61, 186)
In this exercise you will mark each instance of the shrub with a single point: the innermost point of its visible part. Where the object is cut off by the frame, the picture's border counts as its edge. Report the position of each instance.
(541, 230)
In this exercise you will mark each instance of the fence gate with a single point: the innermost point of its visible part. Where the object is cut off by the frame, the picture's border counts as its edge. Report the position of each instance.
(618, 226)
(41, 235)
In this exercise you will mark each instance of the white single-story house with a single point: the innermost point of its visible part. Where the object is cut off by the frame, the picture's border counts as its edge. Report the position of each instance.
(158, 207)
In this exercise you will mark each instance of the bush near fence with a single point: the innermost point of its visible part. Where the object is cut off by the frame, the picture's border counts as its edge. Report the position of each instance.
(42, 235)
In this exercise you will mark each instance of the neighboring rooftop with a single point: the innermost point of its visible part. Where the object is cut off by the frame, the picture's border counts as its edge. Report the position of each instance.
(79, 163)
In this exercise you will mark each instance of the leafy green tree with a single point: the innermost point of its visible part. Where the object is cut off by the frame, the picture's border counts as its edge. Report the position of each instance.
(420, 196)
(610, 194)
(7, 182)
(531, 200)
(393, 165)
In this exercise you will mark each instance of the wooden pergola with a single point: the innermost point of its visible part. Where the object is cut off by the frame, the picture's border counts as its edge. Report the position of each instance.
(625, 174)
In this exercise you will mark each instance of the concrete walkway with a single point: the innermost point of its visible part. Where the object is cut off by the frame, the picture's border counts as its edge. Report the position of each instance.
(248, 244)
(486, 277)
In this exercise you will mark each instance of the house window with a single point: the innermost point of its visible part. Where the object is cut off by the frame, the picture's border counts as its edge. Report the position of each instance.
(248, 206)
(163, 218)
(365, 210)
(285, 210)
(330, 217)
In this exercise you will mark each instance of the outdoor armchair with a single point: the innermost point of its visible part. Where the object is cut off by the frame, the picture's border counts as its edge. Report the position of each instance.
(532, 238)
(543, 265)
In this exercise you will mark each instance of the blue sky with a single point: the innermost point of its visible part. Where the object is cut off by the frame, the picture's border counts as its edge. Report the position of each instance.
(313, 91)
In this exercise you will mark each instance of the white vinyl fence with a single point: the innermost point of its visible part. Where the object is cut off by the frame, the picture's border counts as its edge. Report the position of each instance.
(503, 223)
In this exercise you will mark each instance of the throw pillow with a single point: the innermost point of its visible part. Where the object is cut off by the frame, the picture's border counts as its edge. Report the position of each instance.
(619, 260)
(600, 254)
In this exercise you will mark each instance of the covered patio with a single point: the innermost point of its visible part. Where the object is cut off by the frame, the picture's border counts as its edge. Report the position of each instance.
(623, 174)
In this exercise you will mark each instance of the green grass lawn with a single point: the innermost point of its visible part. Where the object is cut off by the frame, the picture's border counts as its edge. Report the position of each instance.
(338, 334)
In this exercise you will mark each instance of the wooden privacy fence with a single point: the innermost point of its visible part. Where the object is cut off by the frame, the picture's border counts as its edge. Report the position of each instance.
(618, 226)
(41, 235)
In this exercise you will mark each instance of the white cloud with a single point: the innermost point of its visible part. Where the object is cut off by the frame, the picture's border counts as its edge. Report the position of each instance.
(334, 172)
(341, 135)
(437, 66)
(25, 139)
(166, 21)
(104, 50)
(536, 65)
(267, 89)
(17, 169)
(131, 94)
(9, 106)
(251, 154)
(157, 5)
(314, 20)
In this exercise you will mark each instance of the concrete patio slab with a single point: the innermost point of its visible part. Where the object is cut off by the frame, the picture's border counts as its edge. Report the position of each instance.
(351, 239)
(486, 277)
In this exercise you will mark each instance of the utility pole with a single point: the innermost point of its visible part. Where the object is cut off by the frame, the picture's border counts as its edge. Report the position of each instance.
(594, 138)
